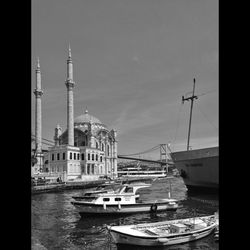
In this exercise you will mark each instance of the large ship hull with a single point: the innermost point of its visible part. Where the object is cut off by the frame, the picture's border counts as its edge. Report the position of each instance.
(198, 168)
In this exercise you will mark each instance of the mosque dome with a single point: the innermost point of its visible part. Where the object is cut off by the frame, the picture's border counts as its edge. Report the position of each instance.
(86, 118)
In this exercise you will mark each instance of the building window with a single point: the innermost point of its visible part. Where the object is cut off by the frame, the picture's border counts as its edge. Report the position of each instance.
(74, 156)
(88, 169)
(88, 156)
(118, 199)
(58, 156)
(96, 144)
(93, 168)
(100, 158)
(70, 155)
(105, 199)
(52, 157)
(82, 157)
(93, 157)
(83, 168)
(102, 147)
(63, 156)
(83, 143)
(108, 150)
(96, 157)
(78, 156)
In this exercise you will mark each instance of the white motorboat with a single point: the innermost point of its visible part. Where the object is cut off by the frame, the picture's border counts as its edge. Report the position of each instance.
(123, 200)
(164, 233)
(101, 189)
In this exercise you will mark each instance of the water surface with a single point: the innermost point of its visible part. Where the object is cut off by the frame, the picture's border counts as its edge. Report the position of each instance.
(57, 225)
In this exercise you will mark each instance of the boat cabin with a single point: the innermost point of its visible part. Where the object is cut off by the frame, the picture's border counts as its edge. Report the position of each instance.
(124, 194)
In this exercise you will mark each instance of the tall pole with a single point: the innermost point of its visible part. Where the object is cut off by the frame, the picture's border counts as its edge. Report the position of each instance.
(191, 109)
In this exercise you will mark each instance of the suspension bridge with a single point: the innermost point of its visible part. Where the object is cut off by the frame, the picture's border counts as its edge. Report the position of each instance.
(159, 154)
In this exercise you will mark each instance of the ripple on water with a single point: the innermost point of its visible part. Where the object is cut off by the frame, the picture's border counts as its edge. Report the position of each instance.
(57, 225)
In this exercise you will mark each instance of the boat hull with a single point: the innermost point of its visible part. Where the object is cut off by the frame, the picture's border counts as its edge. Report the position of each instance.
(120, 238)
(85, 209)
(199, 168)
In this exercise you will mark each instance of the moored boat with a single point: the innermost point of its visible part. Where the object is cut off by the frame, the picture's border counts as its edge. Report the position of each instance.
(101, 189)
(123, 200)
(164, 233)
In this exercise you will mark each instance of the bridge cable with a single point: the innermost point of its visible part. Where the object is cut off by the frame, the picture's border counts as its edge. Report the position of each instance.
(146, 151)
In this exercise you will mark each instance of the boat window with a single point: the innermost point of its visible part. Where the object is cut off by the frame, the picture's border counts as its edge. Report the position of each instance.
(105, 199)
(128, 190)
(118, 199)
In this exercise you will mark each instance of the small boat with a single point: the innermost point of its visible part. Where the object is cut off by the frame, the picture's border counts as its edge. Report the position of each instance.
(100, 189)
(123, 200)
(164, 233)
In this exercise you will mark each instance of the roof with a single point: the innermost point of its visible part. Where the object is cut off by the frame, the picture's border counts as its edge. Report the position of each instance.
(86, 118)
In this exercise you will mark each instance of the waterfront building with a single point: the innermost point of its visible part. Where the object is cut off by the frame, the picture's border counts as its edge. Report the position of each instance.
(87, 149)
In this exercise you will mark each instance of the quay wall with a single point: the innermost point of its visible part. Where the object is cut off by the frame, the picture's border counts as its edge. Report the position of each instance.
(57, 187)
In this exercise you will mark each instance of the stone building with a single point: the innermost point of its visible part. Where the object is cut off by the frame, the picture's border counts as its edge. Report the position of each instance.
(87, 149)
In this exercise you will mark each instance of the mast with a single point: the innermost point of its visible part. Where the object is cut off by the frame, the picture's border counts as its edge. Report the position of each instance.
(191, 109)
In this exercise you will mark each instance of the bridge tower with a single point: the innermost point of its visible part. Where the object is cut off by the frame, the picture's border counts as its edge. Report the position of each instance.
(163, 154)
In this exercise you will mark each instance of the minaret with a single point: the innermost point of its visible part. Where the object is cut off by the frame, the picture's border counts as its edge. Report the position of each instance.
(70, 101)
(38, 123)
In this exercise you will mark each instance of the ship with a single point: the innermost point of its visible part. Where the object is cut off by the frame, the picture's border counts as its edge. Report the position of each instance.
(199, 168)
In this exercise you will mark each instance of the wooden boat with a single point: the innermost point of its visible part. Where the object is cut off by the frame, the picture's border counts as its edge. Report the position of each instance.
(165, 232)
(121, 201)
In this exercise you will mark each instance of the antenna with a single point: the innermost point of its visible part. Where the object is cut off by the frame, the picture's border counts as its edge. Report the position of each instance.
(191, 109)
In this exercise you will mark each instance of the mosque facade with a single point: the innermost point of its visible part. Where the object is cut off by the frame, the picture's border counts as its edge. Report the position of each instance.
(87, 149)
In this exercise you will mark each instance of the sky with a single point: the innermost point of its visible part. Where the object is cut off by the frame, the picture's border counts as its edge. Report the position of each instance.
(133, 60)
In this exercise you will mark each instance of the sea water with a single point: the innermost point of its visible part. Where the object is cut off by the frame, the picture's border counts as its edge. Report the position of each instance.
(57, 225)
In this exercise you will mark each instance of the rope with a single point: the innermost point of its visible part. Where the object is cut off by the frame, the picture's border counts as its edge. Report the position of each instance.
(212, 203)
(207, 119)
(211, 91)
(178, 121)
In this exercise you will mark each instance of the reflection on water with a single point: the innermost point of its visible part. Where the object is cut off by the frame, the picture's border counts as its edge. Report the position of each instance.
(57, 225)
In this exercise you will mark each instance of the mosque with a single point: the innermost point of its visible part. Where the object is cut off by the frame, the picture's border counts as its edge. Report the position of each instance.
(86, 150)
